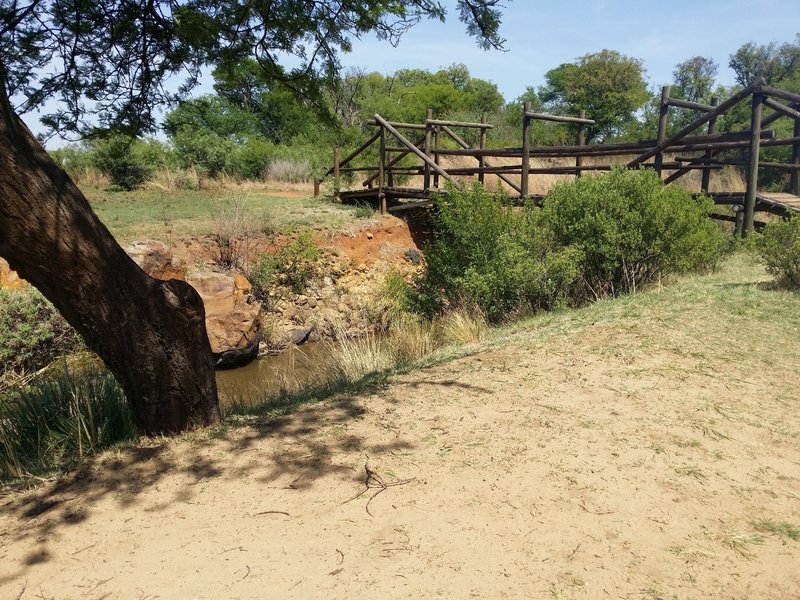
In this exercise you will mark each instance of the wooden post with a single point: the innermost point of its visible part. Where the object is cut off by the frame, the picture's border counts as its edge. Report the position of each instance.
(482, 145)
(663, 118)
(794, 184)
(752, 170)
(316, 188)
(581, 142)
(712, 129)
(336, 173)
(389, 171)
(381, 172)
(526, 149)
(739, 226)
(436, 158)
(428, 141)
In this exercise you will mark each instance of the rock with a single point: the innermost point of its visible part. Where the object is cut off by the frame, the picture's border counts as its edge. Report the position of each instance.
(9, 279)
(301, 300)
(155, 259)
(300, 335)
(242, 286)
(413, 256)
(234, 325)
(312, 303)
(369, 235)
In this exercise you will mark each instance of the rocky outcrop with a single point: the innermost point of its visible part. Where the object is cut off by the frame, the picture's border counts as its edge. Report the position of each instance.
(155, 259)
(9, 280)
(233, 323)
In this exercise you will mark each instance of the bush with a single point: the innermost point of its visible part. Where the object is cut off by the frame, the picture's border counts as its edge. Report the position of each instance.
(779, 248)
(118, 158)
(294, 265)
(288, 170)
(56, 422)
(32, 333)
(489, 255)
(631, 229)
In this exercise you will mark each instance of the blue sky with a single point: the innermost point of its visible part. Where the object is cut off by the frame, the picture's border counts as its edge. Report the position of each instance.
(542, 35)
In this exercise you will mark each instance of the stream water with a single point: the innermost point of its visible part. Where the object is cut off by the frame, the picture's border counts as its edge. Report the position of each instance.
(297, 365)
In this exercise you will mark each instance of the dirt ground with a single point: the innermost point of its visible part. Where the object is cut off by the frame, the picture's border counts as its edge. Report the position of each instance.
(648, 453)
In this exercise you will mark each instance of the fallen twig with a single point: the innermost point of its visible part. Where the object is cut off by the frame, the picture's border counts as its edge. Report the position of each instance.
(375, 481)
(272, 512)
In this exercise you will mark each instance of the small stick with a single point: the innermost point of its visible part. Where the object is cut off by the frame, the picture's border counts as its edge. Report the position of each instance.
(272, 512)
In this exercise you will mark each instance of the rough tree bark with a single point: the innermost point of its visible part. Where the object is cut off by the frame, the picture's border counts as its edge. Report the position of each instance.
(151, 334)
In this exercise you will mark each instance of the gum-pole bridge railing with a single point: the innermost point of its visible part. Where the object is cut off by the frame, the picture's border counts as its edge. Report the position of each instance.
(688, 149)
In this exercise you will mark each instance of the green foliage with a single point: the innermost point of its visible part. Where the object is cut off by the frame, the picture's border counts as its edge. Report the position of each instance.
(694, 79)
(54, 423)
(492, 256)
(294, 265)
(608, 85)
(779, 248)
(32, 333)
(772, 62)
(120, 158)
(631, 229)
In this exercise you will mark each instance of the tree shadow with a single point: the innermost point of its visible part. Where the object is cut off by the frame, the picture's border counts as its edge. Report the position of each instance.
(289, 451)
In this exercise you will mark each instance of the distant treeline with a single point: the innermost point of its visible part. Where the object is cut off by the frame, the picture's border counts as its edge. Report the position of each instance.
(254, 127)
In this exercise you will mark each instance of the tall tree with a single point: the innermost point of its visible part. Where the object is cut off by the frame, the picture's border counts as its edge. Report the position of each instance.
(608, 85)
(694, 78)
(115, 59)
(772, 62)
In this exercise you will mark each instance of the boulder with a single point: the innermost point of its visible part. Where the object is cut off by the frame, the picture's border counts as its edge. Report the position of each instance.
(155, 259)
(9, 279)
(233, 324)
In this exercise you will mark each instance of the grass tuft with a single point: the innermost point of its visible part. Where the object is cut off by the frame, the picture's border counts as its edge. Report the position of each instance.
(56, 422)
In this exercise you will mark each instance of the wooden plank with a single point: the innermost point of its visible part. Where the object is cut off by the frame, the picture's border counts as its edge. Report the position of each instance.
(461, 142)
(526, 149)
(439, 122)
(663, 119)
(776, 93)
(689, 104)
(705, 178)
(752, 171)
(356, 152)
(397, 125)
(557, 118)
(794, 182)
(699, 122)
(782, 108)
(581, 141)
(391, 163)
(403, 140)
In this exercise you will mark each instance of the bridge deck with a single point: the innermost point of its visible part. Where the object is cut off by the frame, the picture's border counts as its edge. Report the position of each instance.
(782, 201)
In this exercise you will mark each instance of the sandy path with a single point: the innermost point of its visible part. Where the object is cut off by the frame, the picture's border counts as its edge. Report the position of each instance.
(615, 459)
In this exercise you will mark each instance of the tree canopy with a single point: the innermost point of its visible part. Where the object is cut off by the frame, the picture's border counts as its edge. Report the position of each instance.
(608, 85)
(118, 59)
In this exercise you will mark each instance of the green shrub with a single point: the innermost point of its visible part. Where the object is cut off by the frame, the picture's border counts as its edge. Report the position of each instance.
(294, 265)
(56, 422)
(32, 333)
(118, 158)
(631, 229)
(489, 255)
(779, 248)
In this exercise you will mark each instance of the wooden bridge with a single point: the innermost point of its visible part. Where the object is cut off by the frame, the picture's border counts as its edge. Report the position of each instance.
(434, 145)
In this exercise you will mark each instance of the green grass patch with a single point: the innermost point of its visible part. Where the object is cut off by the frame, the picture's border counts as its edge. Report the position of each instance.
(157, 214)
(56, 422)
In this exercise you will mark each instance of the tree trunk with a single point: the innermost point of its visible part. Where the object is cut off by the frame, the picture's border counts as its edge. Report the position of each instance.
(150, 333)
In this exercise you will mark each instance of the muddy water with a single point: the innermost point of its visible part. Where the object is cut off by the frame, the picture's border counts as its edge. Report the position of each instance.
(296, 365)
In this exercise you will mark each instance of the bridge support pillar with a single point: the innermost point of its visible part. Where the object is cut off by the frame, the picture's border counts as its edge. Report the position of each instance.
(752, 168)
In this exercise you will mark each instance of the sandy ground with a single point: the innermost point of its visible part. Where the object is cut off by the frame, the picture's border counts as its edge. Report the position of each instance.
(620, 458)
